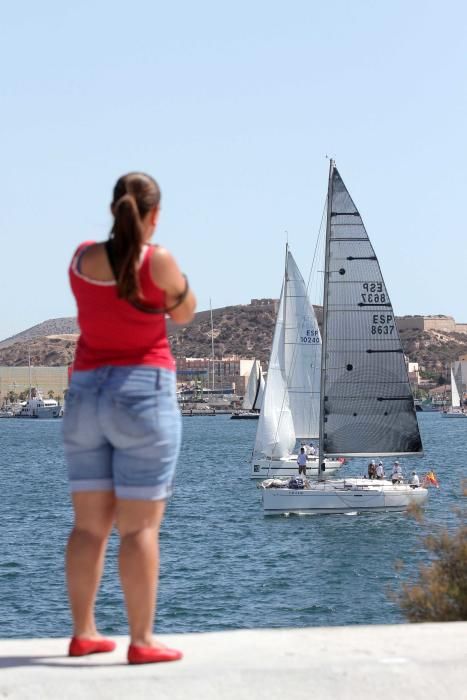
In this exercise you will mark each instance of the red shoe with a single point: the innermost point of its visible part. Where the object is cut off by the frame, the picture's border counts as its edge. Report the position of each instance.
(83, 647)
(152, 655)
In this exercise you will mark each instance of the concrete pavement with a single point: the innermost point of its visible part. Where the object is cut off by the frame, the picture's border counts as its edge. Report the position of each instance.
(412, 662)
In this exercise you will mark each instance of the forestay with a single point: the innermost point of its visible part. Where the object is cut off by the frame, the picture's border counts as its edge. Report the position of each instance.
(367, 402)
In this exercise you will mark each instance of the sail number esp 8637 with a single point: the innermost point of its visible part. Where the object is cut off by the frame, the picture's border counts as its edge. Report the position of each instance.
(382, 324)
(374, 293)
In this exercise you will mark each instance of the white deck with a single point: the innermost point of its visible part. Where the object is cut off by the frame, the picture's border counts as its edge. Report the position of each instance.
(415, 662)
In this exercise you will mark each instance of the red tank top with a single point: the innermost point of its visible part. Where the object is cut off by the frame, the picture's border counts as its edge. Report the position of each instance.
(113, 332)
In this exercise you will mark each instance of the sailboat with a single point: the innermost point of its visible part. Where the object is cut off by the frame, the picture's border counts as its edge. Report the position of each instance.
(253, 398)
(455, 411)
(290, 409)
(366, 404)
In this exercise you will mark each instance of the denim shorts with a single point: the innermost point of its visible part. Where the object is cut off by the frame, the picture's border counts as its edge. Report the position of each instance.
(122, 431)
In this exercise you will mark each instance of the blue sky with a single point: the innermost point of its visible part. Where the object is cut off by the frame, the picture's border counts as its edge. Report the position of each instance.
(233, 108)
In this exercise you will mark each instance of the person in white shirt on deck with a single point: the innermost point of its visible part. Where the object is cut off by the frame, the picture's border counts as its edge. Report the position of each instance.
(397, 477)
(301, 461)
(414, 480)
(380, 470)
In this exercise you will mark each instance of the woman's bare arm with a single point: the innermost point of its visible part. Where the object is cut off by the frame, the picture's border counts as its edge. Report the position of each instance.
(166, 274)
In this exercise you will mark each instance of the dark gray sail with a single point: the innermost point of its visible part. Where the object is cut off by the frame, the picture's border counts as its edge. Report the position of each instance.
(367, 403)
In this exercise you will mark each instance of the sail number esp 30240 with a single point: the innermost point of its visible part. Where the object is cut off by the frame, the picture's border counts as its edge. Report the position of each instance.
(310, 337)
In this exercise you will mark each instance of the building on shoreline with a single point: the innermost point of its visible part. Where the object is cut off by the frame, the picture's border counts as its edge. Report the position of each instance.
(229, 372)
(45, 379)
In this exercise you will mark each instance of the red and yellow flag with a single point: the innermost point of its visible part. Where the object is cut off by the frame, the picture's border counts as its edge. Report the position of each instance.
(430, 479)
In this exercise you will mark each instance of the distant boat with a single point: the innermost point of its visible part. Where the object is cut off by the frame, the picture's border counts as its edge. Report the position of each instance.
(455, 411)
(253, 399)
(38, 407)
(366, 404)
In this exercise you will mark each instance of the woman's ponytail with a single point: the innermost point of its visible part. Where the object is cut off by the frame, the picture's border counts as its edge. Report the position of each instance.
(126, 244)
(135, 195)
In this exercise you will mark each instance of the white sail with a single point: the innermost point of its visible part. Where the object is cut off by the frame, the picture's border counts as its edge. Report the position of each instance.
(260, 390)
(252, 387)
(275, 436)
(302, 354)
(367, 404)
(455, 398)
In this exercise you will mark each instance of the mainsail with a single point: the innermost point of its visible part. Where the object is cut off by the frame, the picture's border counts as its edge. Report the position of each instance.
(455, 398)
(367, 404)
(290, 407)
(302, 354)
(260, 388)
(255, 388)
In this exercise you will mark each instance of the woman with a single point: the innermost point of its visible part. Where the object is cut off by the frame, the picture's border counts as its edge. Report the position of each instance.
(122, 424)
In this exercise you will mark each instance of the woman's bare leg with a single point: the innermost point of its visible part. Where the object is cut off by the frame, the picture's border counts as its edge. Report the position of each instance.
(94, 517)
(138, 523)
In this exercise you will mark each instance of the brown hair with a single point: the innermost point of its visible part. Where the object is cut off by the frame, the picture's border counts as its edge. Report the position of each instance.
(134, 195)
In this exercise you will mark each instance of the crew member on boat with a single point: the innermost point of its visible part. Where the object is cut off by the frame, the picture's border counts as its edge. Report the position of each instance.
(397, 477)
(301, 461)
(372, 469)
(380, 470)
(414, 480)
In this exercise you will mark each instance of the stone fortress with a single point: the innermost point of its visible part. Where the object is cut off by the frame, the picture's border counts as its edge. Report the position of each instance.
(445, 324)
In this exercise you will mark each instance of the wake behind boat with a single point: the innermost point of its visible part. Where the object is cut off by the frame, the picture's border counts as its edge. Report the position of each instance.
(366, 404)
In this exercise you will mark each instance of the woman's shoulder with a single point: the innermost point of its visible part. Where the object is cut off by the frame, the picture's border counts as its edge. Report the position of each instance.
(82, 247)
(88, 253)
(161, 261)
(158, 253)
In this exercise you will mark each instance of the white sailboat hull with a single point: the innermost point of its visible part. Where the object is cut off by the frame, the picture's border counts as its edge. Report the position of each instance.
(287, 466)
(453, 413)
(343, 496)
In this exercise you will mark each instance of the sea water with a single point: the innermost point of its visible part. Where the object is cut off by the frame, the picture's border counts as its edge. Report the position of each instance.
(223, 564)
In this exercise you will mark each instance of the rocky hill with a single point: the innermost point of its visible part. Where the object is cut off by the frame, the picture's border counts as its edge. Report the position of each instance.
(238, 330)
(54, 326)
(244, 330)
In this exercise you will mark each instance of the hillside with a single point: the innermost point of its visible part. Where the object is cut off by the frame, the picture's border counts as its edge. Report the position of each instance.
(238, 330)
(54, 326)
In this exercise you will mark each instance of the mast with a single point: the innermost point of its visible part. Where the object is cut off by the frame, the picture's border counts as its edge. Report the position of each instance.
(284, 317)
(212, 344)
(322, 404)
(29, 365)
(286, 279)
